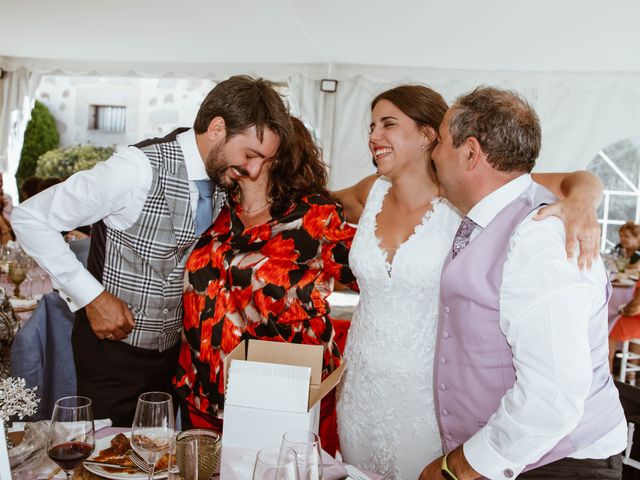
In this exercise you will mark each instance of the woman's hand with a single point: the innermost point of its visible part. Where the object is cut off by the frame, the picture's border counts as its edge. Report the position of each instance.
(581, 227)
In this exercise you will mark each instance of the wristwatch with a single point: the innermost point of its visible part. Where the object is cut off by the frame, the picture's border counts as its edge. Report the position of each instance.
(444, 470)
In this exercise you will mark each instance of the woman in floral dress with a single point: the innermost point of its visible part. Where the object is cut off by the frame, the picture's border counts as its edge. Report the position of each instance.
(263, 270)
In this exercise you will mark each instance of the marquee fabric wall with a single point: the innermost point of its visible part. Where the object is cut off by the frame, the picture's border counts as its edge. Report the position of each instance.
(580, 112)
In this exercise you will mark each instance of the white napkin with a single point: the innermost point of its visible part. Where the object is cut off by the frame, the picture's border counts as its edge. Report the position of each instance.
(24, 303)
(97, 425)
(101, 423)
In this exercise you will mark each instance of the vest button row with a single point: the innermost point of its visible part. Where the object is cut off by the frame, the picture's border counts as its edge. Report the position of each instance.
(442, 387)
(444, 412)
(447, 309)
(448, 437)
(443, 360)
(445, 334)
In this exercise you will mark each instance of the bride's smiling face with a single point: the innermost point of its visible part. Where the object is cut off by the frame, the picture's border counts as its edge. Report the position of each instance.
(394, 139)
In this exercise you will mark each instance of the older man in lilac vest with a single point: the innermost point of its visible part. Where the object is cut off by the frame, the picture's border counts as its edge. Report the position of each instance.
(521, 378)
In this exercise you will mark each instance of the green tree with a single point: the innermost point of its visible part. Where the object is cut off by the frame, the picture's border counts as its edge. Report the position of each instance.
(40, 136)
(62, 162)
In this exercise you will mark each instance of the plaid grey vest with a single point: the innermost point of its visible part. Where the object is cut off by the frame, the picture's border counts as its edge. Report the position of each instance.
(144, 265)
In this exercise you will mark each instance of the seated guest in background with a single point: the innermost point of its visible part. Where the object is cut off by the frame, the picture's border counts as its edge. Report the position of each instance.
(263, 270)
(629, 243)
(6, 206)
(48, 182)
(29, 187)
(524, 388)
(6, 234)
(6, 203)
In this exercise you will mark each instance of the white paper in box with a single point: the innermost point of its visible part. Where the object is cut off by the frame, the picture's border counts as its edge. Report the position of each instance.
(268, 386)
(262, 403)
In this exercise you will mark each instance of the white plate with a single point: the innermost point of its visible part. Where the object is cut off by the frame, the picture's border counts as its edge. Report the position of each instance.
(104, 443)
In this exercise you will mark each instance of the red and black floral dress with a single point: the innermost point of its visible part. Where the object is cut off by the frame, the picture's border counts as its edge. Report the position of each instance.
(269, 282)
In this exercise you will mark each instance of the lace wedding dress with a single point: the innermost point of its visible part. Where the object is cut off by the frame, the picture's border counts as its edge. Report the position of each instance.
(386, 412)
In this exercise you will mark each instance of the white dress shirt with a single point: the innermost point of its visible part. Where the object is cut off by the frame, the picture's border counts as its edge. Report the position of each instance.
(545, 305)
(114, 191)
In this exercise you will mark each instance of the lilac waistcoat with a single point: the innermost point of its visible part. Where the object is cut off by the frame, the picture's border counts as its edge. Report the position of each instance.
(473, 361)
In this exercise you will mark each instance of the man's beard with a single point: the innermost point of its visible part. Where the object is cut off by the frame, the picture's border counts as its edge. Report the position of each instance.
(216, 166)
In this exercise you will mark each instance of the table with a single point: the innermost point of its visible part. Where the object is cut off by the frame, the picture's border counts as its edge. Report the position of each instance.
(37, 284)
(621, 295)
(228, 471)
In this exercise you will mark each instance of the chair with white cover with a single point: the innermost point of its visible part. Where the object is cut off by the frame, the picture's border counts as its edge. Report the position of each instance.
(626, 357)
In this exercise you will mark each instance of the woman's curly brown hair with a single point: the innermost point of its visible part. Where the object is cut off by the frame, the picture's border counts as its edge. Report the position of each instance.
(299, 173)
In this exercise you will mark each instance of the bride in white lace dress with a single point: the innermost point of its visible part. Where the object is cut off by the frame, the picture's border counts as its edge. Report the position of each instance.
(386, 412)
(386, 409)
(386, 415)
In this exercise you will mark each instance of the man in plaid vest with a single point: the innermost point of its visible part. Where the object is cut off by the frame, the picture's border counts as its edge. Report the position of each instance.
(148, 204)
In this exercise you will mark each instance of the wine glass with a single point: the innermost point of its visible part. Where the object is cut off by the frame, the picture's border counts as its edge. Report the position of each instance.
(153, 427)
(71, 433)
(308, 453)
(276, 463)
(17, 274)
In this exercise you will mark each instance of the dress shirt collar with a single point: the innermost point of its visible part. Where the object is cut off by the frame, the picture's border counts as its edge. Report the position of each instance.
(486, 209)
(192, 159)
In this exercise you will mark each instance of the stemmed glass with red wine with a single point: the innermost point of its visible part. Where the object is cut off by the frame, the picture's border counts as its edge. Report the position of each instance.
(71, 434)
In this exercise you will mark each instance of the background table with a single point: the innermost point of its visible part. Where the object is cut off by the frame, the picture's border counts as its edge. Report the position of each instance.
(621, 295)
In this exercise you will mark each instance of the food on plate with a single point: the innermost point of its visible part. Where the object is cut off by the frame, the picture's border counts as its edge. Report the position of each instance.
(120, 444)
(118, 453)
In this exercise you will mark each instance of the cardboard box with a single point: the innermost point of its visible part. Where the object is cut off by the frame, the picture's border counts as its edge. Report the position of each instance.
(272, 388)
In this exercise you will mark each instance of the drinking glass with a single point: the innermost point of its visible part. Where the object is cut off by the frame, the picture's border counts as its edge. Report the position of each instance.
(275, 463)
(27, 289)
(17, 274)
(153, 427)
(198, 453)
(71, 433)
(308, 453)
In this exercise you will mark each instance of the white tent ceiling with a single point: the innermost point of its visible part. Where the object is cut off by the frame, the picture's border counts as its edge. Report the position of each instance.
(545, 35)
(577, 61)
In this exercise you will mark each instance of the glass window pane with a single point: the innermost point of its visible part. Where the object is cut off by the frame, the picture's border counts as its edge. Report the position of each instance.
(609, 177)
(626, 156)
(612, 236)
(622, 207)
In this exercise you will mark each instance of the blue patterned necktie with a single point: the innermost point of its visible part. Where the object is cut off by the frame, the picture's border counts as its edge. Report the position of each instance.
(463, 235)
(204, 212)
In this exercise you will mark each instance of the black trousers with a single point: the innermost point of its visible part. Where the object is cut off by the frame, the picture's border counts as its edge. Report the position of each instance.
(579, 469)
(113, 374)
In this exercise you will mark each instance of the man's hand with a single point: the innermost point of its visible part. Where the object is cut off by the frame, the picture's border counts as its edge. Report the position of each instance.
(109, 317)
(456, 462)
(581, 226)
